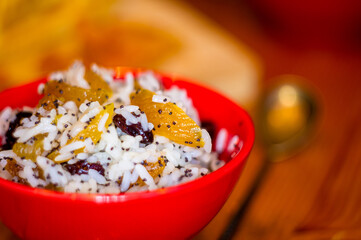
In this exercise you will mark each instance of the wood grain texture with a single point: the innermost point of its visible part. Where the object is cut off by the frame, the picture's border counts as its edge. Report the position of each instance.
(316, 194)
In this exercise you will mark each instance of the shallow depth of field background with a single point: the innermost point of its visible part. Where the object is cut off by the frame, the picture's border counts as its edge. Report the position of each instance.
(239, 48)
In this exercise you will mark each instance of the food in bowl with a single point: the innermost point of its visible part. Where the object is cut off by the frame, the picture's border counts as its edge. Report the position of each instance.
(92, 132)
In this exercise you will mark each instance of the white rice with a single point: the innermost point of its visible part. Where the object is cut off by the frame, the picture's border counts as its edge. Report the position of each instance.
(221, 140)
(118, 162)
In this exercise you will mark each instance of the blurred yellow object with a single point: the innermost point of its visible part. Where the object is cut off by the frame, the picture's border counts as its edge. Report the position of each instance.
(279, 119)
(32, 30)
(38, 37)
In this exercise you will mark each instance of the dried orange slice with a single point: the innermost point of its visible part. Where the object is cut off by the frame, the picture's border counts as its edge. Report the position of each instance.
(154, 169)
(91, 131)
(168, 119)
(56, 92)
(96, 82)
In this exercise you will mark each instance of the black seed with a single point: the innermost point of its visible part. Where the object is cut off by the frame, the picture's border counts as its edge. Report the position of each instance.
(168, 126)
(170, 113)
(174, 123)
(160, 111)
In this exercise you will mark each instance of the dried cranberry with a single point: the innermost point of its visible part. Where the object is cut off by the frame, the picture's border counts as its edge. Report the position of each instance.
(210, 127)
(9, 137)
(82, 167)
(133, 129)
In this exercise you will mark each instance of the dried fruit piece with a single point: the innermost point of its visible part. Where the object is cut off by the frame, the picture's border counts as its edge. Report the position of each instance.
(56, 92)
(168, 119)
(97, 82)
(10, 139)
(49, 102)
(83, 167)
(133, 129)
(210, 127)
(54, 187)
(30, 151)
(154, 169)
(13, 168)
(92, 130)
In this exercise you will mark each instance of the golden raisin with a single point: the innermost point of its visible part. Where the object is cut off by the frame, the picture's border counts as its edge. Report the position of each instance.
(13, 168)
(30, 151)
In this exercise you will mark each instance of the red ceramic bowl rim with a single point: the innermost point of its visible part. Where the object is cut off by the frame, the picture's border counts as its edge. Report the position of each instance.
(125, 197)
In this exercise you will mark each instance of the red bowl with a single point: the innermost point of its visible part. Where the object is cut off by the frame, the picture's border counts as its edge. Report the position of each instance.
(177, 212)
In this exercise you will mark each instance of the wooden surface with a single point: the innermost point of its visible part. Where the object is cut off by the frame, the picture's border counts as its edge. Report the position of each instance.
(316, 194)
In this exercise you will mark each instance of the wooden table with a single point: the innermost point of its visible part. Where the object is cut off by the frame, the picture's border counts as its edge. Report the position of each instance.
(316, 194)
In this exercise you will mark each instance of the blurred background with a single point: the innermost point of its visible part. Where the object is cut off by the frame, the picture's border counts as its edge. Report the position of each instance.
(241, 48)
